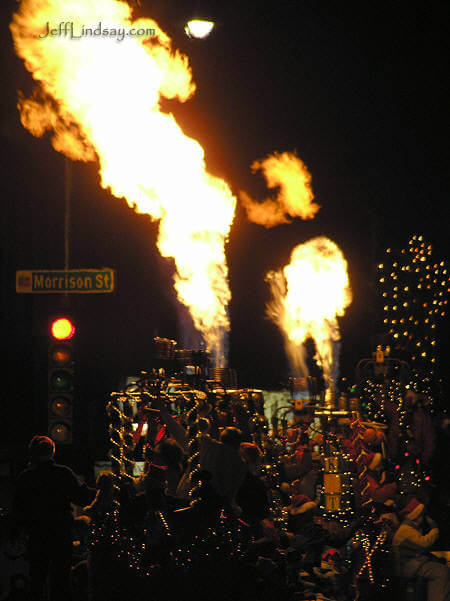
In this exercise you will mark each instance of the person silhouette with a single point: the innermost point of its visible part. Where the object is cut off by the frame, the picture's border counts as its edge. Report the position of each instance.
(41, 507)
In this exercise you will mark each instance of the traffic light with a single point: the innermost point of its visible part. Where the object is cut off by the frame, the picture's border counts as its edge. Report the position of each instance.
(61, 388)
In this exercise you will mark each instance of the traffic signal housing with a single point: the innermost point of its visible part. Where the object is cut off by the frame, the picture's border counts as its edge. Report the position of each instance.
(61, 385)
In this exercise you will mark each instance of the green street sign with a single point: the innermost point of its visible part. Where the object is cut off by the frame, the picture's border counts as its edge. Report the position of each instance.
(72, 281)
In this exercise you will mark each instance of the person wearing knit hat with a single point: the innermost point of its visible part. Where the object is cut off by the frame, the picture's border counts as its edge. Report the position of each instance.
(411, 543)
(412, 510)
(301, 513)
(251, 454)
(331, 572)
(300, 504)
(42, 509)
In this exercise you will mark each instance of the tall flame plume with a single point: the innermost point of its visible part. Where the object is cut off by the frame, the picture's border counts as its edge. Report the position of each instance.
(307, 297)
(100, 97)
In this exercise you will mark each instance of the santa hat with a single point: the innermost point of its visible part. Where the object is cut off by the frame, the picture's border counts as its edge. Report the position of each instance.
(331, 555)
(250, 452)
(300, 504)
(156, 473)
(41, 449)
(413, 509)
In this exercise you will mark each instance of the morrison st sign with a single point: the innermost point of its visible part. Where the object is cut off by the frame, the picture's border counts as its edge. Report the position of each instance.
(82, 281)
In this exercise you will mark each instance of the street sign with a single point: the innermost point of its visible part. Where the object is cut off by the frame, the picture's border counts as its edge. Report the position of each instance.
(72, 281)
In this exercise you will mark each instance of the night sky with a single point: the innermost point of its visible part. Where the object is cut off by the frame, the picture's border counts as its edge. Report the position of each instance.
(359, 90)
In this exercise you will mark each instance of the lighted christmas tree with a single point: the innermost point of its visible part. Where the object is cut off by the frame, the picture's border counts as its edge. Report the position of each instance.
(414, 288)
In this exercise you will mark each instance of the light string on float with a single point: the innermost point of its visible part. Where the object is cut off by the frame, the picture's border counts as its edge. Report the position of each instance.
(133, 545)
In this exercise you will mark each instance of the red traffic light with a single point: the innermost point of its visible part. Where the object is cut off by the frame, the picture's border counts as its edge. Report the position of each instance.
(62, 329)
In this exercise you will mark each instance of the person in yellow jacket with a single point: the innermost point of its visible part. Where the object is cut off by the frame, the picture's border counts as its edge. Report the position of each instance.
(411, 543)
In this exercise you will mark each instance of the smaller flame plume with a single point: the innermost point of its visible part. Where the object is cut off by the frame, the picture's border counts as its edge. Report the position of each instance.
(307, 297)
(294, 198)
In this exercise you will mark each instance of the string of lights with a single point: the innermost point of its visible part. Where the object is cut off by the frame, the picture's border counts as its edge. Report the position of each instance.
(369, 549)
(414, 289)
(133, 545)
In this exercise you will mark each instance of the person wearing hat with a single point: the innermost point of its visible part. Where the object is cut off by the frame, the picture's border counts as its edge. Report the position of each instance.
(252, 494)
(301, 512)
(373, 481)
(411, 546)
(41, 506)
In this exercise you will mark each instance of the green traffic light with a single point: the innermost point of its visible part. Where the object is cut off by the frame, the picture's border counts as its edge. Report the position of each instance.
(61, 380)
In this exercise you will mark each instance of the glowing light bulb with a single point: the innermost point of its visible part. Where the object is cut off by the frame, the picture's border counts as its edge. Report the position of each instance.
(198, 28)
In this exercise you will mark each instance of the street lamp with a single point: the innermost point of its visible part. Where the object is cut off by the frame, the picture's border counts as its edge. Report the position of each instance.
(198, 28)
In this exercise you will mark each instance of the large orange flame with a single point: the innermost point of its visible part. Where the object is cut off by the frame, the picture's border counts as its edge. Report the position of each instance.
(100, 96)
(308, 296)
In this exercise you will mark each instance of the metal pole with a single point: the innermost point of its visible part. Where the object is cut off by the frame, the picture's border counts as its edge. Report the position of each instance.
(67, 216)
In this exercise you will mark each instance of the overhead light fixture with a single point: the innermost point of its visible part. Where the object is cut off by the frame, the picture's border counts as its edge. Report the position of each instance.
(198, 28)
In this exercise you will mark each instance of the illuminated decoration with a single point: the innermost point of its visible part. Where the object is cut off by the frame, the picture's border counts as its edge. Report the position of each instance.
(62, 329)
(224, 539)
(61, 384)
(411, 478)
(199, 28)
(121, 410)
(386, 403)
(308, 296)
(336, 494)
(375, 394)
(109, 110)
(414, 289)
(369, 551)
(375, 557)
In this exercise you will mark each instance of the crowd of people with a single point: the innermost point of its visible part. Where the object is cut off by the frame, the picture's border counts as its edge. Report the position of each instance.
(225, 509)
